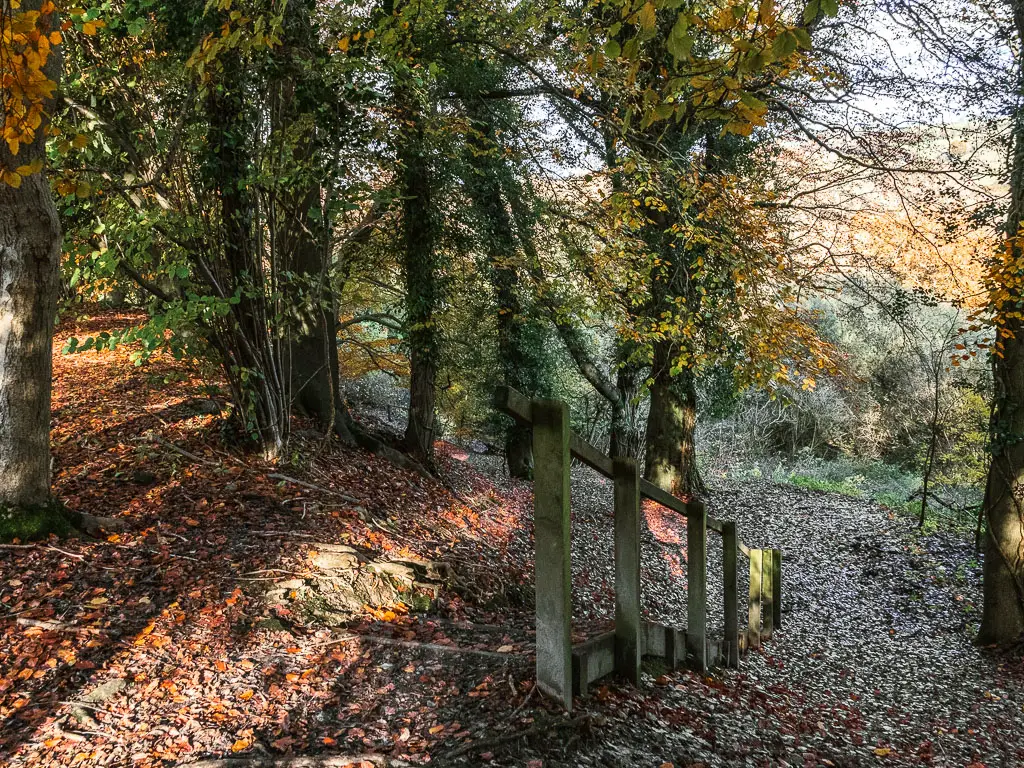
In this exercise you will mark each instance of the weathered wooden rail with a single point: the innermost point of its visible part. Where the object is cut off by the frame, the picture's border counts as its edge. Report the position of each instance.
(564, 670)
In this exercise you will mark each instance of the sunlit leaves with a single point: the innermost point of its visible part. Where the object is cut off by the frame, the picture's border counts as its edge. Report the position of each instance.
(703, 59)
(245, 28)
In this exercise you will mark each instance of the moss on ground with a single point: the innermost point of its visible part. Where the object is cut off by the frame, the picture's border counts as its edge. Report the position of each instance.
(34, 522)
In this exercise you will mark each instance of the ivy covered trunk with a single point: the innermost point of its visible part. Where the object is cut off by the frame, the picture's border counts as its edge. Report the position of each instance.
(313, 348)
(303, 232)
(671, 428)
(252, 353)
(521, 360)
(627, 436)
(30, 244)
(1003, 614)
(421, 290)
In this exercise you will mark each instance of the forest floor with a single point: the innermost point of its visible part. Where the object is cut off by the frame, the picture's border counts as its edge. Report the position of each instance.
(173, 641)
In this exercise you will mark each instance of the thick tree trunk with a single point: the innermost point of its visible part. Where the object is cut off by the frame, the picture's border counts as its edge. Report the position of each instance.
(29, 284)
(30, 243)
(303, 241)
(1003, 614)
(252, 361)
(520, 341)
(313, 351)
(421, 289)
(627, 437)
(671, 429)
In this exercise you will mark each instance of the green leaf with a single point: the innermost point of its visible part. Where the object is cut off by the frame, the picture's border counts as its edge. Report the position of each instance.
(803, 37)
(784, 45)
(811, 11)
(612, 49)
(830, 7)
(752, 101)
(679, 41)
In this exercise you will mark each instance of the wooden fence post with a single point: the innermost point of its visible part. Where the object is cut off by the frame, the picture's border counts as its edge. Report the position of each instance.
(732, 620)
(696, 584)
(777, 588)
(627, 569)
(754, 602)
(551, 540)
(767, 593)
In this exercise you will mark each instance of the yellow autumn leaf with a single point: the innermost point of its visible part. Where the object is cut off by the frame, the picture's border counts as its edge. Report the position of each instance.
(647, 17)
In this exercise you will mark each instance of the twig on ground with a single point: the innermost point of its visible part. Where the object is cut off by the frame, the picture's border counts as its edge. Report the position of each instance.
(312, 486)
(187, 454)
(75, 555)
(324, 761)
(497, 741)
(378, 640)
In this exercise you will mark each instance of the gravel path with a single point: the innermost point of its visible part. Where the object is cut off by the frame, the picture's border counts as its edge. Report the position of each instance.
(875, 664)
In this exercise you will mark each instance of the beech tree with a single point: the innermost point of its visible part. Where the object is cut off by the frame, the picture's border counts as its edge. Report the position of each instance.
(30, 240)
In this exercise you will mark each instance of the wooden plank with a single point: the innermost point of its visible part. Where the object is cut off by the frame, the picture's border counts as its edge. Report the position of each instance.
(777, 588)
(551, 540)
(767, 595)
(592, 660)
(754, 601)
(590, 456)
(653, 637)
(627, 569)
(513, 403)
(731, 595)
(650, 491)
(696, 585)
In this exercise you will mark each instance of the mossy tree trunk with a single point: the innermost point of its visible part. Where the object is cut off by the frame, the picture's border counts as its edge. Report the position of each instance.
(419, 261)
(671, 456)
(520, 338)
(303, 239)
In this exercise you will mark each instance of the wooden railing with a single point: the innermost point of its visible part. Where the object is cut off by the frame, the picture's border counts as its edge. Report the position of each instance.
(564, 670)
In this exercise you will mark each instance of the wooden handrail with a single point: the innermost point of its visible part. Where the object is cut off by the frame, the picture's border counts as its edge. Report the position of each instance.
(559, 671)
(515, 404)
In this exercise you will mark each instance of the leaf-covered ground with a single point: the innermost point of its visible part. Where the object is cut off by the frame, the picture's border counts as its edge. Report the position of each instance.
(158, 646)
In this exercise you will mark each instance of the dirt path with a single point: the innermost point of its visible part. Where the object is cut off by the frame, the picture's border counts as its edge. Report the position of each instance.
(875, 665)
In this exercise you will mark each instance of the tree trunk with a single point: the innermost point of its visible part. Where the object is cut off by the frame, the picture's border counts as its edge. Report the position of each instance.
(303, 241)
(1003, 614)
(30, 244)
(421, 289)
(627, 438)
(671, 429)
(520, 338)
(252, 362)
